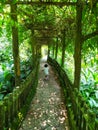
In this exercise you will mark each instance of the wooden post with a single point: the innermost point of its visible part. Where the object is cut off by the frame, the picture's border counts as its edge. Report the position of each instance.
(78, 45)
(10, 111)
(63, 49)
(14, 103)
(49, 50)
(6, 111)
(56, 49)
(2, 116)
(53, 49)
(15, 43)
(32, 47)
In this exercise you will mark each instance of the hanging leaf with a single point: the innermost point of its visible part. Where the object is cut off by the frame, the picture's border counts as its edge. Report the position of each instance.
(1, 96)
(96, 94)
(93, 103)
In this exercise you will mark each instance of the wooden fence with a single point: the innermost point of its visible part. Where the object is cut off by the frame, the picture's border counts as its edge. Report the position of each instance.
(14, 106)
(80, 115)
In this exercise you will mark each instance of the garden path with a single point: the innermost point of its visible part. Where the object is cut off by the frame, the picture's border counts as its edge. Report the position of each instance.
(47, 110)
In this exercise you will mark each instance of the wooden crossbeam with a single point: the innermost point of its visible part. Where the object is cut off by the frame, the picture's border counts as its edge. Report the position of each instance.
(41, 3)
(42, 38)
(44, 29)
(39, 28)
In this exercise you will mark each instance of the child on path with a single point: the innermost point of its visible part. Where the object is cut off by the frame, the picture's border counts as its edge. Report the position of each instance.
(46, 71)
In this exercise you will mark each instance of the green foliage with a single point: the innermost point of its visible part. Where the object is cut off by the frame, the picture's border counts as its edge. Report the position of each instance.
(7, 81)
(7, 77)
(56, 17)
(26, 67)
(1, 96)
(89, 87)
(90, 94)
(89, 75)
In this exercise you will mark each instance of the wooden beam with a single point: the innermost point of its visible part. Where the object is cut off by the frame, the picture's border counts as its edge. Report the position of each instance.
(42, 3)
(45, 29)
(40, 38)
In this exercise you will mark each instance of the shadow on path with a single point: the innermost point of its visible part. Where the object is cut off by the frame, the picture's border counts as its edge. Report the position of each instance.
(47, 110)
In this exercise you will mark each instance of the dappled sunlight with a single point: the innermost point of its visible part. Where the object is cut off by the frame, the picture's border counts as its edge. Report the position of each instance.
(58, 36)
(25, 50)
(47, 110)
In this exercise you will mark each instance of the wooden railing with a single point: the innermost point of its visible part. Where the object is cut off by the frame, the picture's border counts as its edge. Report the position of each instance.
(14, 106)
(80, 115)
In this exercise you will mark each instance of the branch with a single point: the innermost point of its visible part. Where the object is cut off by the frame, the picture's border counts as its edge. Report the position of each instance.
(93, 34)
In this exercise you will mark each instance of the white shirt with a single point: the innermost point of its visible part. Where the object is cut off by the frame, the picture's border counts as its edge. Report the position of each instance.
(46, 70)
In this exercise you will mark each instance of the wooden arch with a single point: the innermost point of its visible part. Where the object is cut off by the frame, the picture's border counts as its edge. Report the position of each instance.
(79, 37)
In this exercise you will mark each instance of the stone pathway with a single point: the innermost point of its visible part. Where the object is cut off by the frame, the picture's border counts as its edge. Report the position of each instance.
(47, 110)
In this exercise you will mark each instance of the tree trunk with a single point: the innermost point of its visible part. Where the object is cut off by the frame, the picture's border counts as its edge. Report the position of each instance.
(63, 49)
(56, 52)
(78, 45)
(32, 47)
(53, 49)
(48, 50)
(15, 44)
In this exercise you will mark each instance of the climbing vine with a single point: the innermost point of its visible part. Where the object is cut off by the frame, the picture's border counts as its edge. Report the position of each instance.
(70, 30)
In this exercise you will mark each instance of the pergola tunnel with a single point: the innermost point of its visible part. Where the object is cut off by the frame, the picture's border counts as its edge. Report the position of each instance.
(44, 53)
(64, 35)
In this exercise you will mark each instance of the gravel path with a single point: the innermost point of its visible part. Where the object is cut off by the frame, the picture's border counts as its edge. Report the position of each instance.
(47, 110)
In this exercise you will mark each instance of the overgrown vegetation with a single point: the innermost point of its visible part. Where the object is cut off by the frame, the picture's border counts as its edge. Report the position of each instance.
(87, 51)
(7, 76)
(70, 29)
